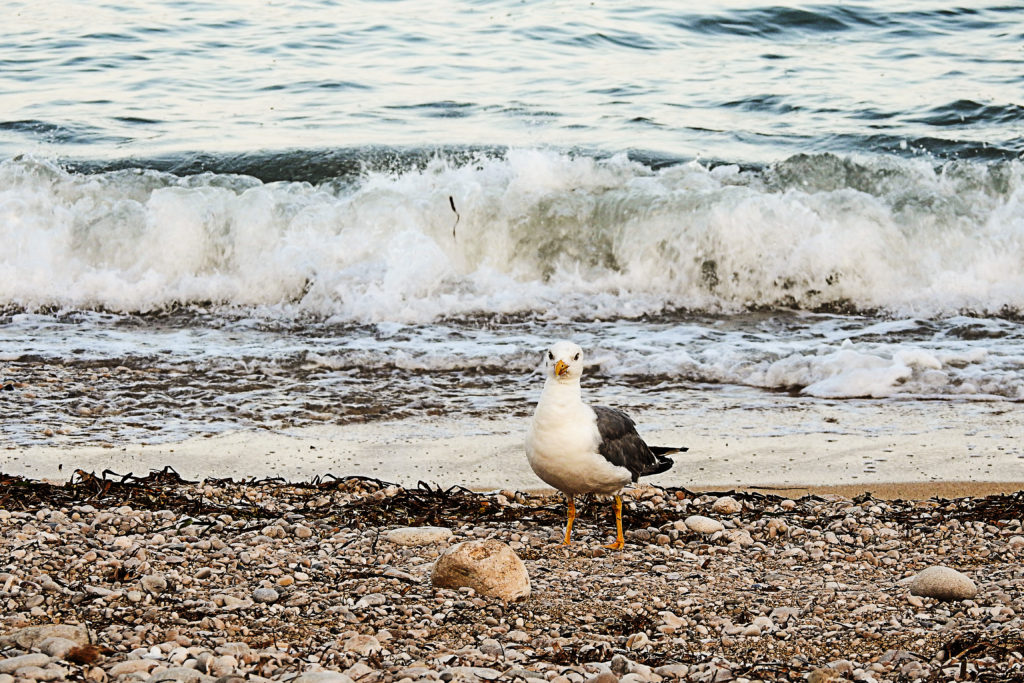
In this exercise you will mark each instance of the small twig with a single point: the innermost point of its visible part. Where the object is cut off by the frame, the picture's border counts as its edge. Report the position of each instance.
(451, 201)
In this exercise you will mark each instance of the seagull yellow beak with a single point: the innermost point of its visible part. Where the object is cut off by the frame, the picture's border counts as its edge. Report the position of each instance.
(561, 369)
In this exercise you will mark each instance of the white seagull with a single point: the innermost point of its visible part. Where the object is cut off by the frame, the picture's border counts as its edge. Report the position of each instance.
(581, 449)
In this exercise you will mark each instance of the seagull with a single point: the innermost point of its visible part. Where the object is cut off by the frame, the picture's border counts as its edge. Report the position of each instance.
(580, 449)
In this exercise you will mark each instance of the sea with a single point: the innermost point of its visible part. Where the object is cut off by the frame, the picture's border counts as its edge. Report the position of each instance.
(239, 216)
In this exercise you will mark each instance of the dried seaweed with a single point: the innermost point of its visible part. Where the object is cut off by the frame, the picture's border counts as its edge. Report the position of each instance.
(382, 503)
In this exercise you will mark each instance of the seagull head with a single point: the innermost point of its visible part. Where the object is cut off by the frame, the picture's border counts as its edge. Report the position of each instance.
(564, 362)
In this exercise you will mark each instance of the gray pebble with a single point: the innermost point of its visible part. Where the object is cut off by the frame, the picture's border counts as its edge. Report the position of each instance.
(267, 595)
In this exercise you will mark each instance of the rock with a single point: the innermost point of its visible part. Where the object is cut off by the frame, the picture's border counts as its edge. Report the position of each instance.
(726, 505)
(358, 670)
(57, 647)
(619, 665)
(783, 614)
(362, 645)
(322, 677)
(605, 677)
(943, 583)
(637, 641)
(132, 666)
(419, 535)
(372, 600)
(38, 673)
(473, 673)
(740, 536)
(301, 531)
(489, 567)
(154, 583)
(822, 675)
(267, 595)
(673, 671)
(702, 524)
(33, 636)
(179, 674)
(400, 575)
(238, 649)
(491, 647)
(12, 664)
(221, 665)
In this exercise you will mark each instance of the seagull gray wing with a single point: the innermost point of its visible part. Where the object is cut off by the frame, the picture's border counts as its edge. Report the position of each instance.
(621, 444)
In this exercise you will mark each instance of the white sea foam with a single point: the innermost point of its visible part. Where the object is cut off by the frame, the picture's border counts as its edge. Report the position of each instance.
(539, 231)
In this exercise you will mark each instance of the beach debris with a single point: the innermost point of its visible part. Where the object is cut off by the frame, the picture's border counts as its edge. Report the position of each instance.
(489, 567)
(451, 202)
(943, 583)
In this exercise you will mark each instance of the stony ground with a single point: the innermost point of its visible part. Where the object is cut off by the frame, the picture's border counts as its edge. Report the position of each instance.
(151, 579)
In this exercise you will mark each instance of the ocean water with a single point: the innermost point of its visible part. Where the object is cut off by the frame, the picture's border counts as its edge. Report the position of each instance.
(228, 216)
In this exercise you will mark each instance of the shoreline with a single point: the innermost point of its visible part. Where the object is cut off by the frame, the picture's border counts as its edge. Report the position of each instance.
(802, 445)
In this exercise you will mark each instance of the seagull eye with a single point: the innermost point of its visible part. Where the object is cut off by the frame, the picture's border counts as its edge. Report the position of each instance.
(551, 356)
(576, 357)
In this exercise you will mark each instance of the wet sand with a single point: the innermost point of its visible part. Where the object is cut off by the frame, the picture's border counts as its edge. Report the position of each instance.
(912, 449)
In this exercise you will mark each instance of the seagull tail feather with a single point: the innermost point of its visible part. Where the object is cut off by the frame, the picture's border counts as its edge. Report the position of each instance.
(667, 450)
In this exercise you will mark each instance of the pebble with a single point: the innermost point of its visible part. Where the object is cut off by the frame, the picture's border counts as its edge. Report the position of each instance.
(132, 666)
(419, 535)
(322, 677)
(179, 674)
(703, 525)
(362, 645)
(490, 646)
(32, 636)
(12, 664)
(796, 583)
(154, 583)
(726, 505)
(57, 647)
(267, 595)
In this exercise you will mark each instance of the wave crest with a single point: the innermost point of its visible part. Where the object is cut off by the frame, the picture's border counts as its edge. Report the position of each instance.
(557, 234)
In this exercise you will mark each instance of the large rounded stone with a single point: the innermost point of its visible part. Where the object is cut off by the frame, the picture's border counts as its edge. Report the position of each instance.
(489, 567)
(943, 583)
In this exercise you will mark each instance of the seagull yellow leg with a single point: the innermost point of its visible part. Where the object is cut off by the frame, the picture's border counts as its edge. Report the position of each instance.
(619, 540)
(570, 518)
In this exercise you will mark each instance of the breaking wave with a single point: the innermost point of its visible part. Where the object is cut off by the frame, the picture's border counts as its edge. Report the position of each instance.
(538, 232)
